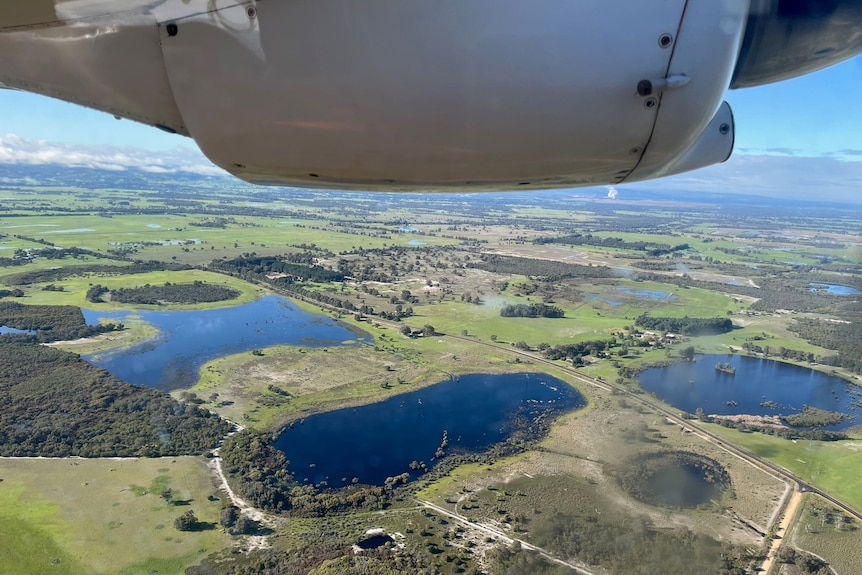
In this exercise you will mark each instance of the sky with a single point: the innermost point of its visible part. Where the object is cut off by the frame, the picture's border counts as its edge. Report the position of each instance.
(800, 138)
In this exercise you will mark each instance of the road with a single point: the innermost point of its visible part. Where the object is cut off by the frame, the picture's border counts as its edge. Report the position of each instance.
(781, 531)
(501, 535)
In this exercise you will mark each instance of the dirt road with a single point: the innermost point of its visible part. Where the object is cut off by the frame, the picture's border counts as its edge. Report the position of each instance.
(781, 530)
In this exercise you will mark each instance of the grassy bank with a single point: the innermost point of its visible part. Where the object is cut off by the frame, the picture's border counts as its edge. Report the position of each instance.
(103, 516)
(287, 382)
(75, 290)
(832, 466)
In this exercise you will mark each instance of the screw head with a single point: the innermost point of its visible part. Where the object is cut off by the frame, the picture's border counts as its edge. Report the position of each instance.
(724, 129)
(665, 40)
(172, 29)
(251, 12)
(650, 103)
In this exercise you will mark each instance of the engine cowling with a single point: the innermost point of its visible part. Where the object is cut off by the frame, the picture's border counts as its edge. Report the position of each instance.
(789, 38)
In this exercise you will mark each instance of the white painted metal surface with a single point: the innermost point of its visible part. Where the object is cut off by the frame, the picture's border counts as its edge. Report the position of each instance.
(705, 51)
(387, 93)
(109, 62)
(395, 94)
(713, 146)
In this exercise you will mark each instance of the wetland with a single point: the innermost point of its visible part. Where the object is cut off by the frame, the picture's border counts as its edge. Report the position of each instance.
(757, 387)
(411, 432)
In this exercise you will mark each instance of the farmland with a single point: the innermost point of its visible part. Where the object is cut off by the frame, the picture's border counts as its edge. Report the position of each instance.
(426, 277)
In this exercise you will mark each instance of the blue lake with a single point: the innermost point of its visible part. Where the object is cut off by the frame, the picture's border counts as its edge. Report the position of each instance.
(188, 339)
(834, 289)
(380, 440)
(689, 386)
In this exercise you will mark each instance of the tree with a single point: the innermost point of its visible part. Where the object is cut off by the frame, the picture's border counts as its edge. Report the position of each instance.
(405, 330)
(229, 516)
(687, 353)
(244, 526)
(186, 522)
(429, 330)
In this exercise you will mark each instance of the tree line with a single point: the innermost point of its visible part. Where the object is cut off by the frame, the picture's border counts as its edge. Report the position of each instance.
(48, 323)
(572, 351)
(277, 265)
(843, 337)
(57, 405)
(196, 292)
(550, 270)
(651, 248)
(59, 274)
(259, 472)
(686, 325)
(531, 310)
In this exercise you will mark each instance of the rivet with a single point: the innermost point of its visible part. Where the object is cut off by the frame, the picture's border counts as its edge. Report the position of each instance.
(644, 88)
(665, 40)
(724, 129)
(251, 12)
(172, 29)
(650, 103)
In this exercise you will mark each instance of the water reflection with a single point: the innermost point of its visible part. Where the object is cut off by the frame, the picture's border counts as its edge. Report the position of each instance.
(382, 439)
(758, 387)
(188, 339)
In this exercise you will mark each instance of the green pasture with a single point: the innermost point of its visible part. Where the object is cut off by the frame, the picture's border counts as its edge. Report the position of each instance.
(75, 289)
(250, 388)
(592, 318)
(833, 466)
(9, 244)
(185, 242)
(81, 262)
(104, 516)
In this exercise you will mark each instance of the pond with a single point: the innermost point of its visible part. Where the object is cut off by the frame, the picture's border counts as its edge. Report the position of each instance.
(188, 339)
(834, 289)
(607, 301)
(645, 293)
(4, 330)
(674, 479)
(381, 440)
(759, 387)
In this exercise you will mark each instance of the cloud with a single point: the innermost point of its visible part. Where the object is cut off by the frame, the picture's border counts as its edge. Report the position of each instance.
(835, 177)
(792, 177)
(849, 153)
(17, 150)
(784, 151)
